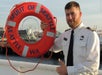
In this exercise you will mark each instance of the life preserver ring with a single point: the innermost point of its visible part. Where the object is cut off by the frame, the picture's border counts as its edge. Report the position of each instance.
(18, 45)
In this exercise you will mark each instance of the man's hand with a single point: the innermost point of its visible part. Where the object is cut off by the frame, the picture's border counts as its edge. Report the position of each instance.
(62, 70)
(43, 25)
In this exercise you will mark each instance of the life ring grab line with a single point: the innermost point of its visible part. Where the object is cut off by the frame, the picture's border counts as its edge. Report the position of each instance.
(26, 47)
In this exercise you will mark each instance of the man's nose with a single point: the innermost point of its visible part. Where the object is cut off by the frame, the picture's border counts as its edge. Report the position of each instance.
(70, 17)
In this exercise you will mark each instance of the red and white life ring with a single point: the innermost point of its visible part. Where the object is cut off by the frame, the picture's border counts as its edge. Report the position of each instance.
(18, 45)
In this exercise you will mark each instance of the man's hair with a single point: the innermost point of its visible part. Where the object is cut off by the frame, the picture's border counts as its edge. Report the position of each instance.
(72, 4)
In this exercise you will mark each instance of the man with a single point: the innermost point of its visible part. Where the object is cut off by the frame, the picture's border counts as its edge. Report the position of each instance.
(86, 47)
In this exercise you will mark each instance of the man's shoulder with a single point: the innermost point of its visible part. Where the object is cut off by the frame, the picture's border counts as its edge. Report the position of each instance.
(90, 29)
(67, 30)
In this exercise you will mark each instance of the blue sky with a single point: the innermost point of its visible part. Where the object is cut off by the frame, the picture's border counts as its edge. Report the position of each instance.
(91, 9)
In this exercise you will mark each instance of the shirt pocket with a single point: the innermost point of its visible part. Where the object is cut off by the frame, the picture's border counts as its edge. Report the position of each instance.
(65, 46)
(82, 44)
(65, 43)
(82, 49)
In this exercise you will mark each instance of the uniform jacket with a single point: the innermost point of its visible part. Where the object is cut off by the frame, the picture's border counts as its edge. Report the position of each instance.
(86, 50)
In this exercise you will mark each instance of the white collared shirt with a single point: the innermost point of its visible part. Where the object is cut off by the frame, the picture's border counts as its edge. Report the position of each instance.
(86, 50)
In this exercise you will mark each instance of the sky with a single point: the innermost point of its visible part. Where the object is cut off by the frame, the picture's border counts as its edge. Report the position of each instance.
(91, 9)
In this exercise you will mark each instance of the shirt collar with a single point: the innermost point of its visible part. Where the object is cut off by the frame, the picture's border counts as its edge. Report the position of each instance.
(79, 27)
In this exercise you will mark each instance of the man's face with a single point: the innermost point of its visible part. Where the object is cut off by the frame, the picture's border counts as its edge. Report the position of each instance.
(73, 17)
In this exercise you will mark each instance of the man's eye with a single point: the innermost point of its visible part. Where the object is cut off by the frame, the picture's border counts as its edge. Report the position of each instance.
(72, 13)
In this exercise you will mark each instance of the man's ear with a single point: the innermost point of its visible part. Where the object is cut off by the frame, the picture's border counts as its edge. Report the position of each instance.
(80, 13)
